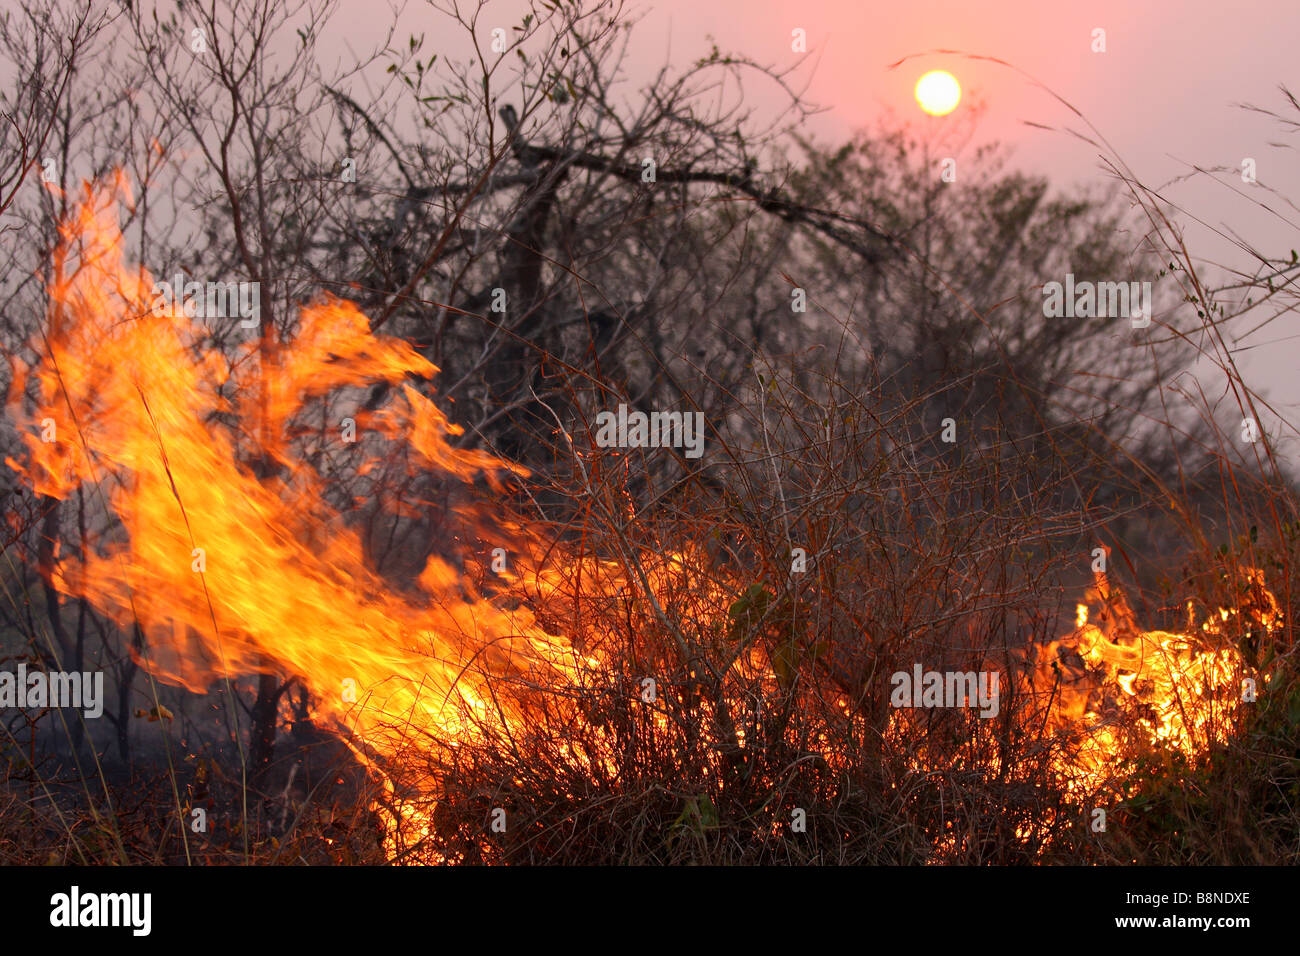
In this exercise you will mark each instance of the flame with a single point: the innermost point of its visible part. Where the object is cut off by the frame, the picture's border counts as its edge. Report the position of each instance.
(1178, 690)
(1102, 695)
(232, 554)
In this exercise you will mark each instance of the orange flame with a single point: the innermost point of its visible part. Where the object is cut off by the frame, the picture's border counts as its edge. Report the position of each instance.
(230, 555)
(1171, 689)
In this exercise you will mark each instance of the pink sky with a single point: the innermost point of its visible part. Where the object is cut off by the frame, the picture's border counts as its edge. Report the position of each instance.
(1164, 94)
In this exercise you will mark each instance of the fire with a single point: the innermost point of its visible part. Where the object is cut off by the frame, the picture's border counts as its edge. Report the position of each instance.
(235, 554)
(1155, 687)
(1102, 695)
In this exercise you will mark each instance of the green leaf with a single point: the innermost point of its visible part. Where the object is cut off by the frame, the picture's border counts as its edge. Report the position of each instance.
(708, 812)
(785, 660)
(754, 598)
(698, 815)
(747, 610)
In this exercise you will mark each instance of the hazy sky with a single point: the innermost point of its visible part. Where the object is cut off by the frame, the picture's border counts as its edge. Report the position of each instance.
(1166, 93)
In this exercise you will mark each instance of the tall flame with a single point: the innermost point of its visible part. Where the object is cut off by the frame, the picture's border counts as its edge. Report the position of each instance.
(229, 555)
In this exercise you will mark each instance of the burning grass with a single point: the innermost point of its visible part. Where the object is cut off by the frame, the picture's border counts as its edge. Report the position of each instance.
(650, 675)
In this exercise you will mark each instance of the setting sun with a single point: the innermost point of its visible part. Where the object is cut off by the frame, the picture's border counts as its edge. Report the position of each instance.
(938, 92)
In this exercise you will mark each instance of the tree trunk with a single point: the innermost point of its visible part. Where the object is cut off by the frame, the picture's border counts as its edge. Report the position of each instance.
(262, 732)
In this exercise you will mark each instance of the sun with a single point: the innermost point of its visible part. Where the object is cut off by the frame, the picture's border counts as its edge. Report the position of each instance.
(938, 92)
